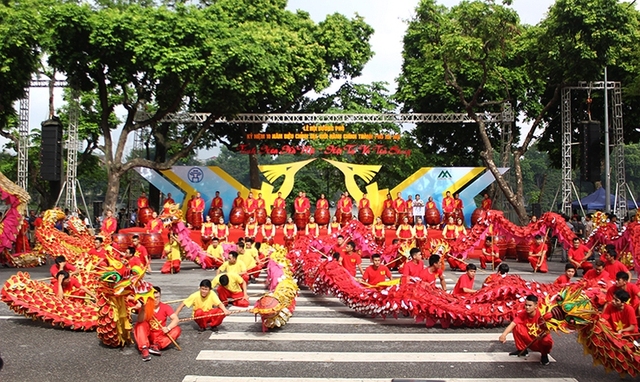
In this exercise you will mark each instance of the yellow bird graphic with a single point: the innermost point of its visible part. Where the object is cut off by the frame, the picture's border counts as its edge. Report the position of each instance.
(364, 171)
(273, 172)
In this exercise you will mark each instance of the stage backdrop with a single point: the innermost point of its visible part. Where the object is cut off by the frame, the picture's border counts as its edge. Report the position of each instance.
(184, 181)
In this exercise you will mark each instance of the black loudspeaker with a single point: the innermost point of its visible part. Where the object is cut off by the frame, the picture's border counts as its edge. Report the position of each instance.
(591, 151)
(536, 209)
(51, 150)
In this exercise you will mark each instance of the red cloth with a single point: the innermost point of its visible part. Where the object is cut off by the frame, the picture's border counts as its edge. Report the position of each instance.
(447, 204)
(412, 269)
(154, 226)
(463, 282)
(238, 297)
(238, 202)
(216, 202)
(430, 205)
(216, 319)
(350, 261)
(455, 263)
(400, 205)
(172, 264)
(322, 204)
(280, 203)
(374, 276)
(143, 254)
(301, 204)
(429, 277)
(198, 205)
(615, 267)
(527, 329)
(562, 280)
(633, 291)
(149, 333)
(486, 204)
(621, 319)
(143, 202)
(67, 267)
(593, 275)
(73, 287)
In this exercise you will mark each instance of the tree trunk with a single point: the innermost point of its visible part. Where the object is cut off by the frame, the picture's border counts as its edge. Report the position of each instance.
(113, 188)
(254, 172)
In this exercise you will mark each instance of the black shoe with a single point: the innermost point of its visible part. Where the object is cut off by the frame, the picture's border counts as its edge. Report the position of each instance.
(214, 329)
(519, 353)
(201, 329)
(544, 359)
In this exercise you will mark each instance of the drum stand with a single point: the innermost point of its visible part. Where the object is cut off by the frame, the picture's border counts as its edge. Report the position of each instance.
(73, 208)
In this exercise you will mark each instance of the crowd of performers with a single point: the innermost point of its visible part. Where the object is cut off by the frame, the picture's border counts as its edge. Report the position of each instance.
(241, 263)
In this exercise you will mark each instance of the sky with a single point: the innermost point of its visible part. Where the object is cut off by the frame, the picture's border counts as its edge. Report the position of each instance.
(387, 17)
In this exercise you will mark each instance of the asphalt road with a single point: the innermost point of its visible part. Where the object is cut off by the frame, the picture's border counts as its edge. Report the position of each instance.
(328, 342)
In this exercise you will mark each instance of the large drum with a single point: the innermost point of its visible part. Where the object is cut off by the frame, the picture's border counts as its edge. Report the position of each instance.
(365, 215)
(121, 241)
(236, 217)
(301, 219)
(278, 216)
(346, 218)
(322, 216)
(522, 251)
(144, 215)
(195, 219)
(261, 216)
(215, 213)
(388, 217)
(477, 214)
(432, 216)
(153, 243)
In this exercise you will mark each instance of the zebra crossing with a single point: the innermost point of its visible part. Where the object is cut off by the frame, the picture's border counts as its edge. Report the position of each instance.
(326, 341)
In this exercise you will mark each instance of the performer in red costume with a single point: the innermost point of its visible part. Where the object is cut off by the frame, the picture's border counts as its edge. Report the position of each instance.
(345, 206)
(490, 254)
(280, 202)
(486, 203)
(448, 204)
(377, 230)
(464, 286)
(268, 231)
(351, 259)
(430, 203)
(289, 231)
(141, 252)
(400, 207)
(376, 272)
(154, 225)
(538, 255)
(207, 232)
(598, 273)
(529, 332)
(405, 231)
(433, 271)
(565, 278)
(22, 238)
(143, 202)
(412, 270)
(250, 206)
(578, 256)
(238, 202)
(322, 203)
(216, 203)
(457, 203)
(301, 204)
(334, 226)
(168, 202)
(152, 333)
(364, 202)
(109, 225)
(251, 229)
(620, 315)
(312, 229)
(98, 251)
(222, 230)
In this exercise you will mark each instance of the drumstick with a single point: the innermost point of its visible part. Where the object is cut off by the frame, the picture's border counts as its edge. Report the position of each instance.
(167, 333)
(214, 315)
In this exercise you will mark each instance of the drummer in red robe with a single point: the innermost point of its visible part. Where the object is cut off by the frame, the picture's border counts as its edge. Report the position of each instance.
(301, 204)
(169, 199)
(322, 203)
(168, 202)
(280, 202)
(388, 202)
(238, 202)
(458, 206)
(143, 202)
(486, 203)
(400, 206)
(448, 204)
(364, 202)
(346, 205)
(261, 204)
(155, 224)
(430, 203)
(409, 206)
(250, 207)
(198, 204)
(216, 202)
(109, 225)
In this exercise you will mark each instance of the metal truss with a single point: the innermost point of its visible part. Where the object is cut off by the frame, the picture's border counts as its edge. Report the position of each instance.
(284, 118)
(618, 143)
(567, 180)
(23, 142)
(23, 129)
(72, 154)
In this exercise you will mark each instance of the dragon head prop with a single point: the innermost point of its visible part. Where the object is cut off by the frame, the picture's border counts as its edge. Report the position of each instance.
(171, 214)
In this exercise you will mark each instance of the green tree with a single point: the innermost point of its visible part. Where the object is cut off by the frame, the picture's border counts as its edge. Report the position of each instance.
(19, 56)
(225, 58)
